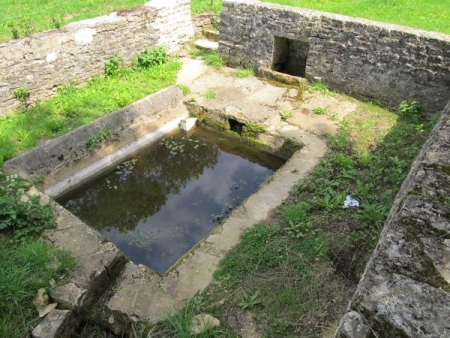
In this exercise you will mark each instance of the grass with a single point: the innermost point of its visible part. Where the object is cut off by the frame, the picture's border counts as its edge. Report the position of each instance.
(286, 114)
(295, 271)
(430, 15)
(210, 94)
(25, 267)
(27, 263)
(213, 59)
(245, 72)
(317, 86)
(319, 111)
(50, 14)
(201, 6)
(75, 106)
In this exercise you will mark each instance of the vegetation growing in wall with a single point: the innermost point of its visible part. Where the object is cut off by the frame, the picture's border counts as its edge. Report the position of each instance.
(113, 65)
(105, 134)
(22, 94)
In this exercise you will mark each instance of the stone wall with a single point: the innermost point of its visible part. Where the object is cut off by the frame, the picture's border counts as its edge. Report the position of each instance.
(78, 51)
(405, 289)
(381, 62)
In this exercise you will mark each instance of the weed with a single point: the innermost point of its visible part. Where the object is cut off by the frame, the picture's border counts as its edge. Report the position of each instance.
(22, 217)
(105, 134)
(409, 110)
(372, 214)
(249, 300)
(319, 111)
(184, 89)
(22, 94)
(23, 28)
(252, 130)
(113, 65)
(210, 94)
(318, 86)
(214, 59)
(285, 115)
(296, 212)
(57, 22)
(151, 57)
(245, 72)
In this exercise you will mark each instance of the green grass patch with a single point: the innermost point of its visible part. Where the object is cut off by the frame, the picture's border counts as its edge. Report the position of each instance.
(245, 72)
(319, 111)
(430, 15)
(317, 86)
(201, 6)
(214, 59)
(25, 267)
(210, 94)
(75, 106)
(18, 18)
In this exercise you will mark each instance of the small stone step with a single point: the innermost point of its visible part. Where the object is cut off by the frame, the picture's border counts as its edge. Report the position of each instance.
(206, 44)
(211, 34)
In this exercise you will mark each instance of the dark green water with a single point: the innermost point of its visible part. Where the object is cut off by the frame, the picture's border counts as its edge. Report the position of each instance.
(156, 206)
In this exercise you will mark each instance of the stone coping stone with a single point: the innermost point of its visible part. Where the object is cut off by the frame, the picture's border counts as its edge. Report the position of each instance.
(99, 261)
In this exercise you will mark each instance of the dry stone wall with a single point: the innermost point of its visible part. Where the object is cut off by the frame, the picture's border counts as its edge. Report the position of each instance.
(78, 51)
(382, 62)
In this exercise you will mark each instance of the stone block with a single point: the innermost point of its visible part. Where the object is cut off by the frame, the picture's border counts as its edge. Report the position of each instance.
(57, 324)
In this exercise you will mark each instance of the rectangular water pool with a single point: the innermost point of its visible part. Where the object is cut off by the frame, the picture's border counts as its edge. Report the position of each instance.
(160, 203)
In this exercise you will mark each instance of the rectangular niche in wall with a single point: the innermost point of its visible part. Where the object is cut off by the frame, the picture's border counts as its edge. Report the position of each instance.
(289, 56)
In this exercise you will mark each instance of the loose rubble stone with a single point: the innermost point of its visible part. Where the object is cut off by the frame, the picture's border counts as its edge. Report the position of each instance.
(202, 322)
(57, 324)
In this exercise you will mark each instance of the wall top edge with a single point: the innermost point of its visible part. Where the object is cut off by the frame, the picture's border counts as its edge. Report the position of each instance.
(311, 13)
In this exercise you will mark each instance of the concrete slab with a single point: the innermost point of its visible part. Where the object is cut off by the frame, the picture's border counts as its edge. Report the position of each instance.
(139, 297)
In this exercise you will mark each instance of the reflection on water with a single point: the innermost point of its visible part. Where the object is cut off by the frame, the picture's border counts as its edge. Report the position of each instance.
(156, 206)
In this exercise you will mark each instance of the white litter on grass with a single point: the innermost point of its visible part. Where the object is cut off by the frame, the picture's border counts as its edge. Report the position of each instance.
(350, 202)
